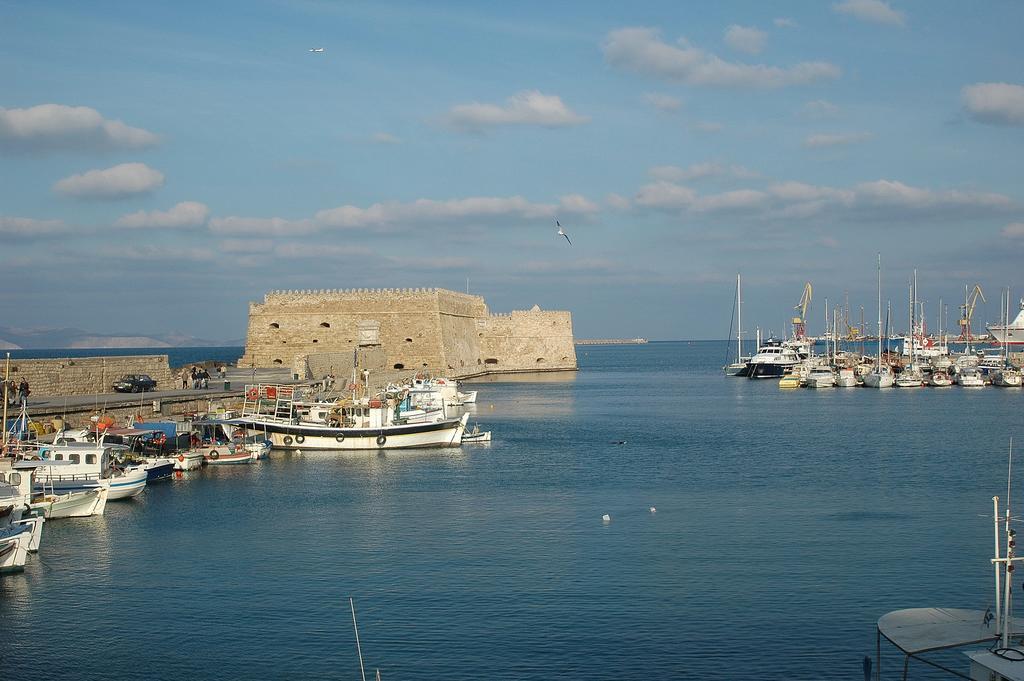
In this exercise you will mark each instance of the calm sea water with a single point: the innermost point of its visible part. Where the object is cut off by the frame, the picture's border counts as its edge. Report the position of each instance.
(787, 522)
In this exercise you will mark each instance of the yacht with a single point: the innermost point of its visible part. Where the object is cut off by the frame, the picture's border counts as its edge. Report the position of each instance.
(772, 360)
(821, 376)
(881, 375)
(939, 379)
(1006, 377)
(969, 377)
(739, 367)
(846, 378)
(910, 377)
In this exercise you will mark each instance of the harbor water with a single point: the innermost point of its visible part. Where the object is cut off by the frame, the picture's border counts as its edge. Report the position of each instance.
(786, 523)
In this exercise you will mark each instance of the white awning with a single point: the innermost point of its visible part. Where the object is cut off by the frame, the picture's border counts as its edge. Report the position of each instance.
(918, 630)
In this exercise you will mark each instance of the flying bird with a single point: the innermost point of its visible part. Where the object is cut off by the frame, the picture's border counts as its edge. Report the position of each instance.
(561, 232)
(316, 49)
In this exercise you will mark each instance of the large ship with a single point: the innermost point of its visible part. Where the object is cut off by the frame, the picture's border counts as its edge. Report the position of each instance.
(1012, 333)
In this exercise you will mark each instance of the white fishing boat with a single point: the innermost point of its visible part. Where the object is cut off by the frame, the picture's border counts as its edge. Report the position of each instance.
(355, 423)
(14, 543)
(89, 466)
(16, 491)
(990, 639)
(222, 443)
(189, 461)
(476, 436)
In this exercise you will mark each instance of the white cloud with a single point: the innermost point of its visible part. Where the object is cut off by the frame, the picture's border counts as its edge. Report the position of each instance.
(784, 22)
(618, 202)
(329, 251)
(385, 138)
(15, 226)
(246, 246)
(260, 226)
(697, 171)
(121, 181)
(185, 214)
(820, 140)
(886, 199)
(998, 103)
(1014, 230)
(56, 127)
(820, 108)
(397, 216)
(875, 11)
(745, 39)
(529, 107)
(642, 50)
(663, 102)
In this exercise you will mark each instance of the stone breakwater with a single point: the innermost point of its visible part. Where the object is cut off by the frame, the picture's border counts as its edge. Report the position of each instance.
(87, 375)
(316, 331)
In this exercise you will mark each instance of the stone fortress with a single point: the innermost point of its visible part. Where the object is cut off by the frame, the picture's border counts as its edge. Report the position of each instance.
(433, 330)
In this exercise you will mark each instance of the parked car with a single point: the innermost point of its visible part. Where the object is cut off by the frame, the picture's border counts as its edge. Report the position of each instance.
(134, 383)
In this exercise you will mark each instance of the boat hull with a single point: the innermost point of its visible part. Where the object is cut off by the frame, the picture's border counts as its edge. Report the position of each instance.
(14, 545)
(314, 437)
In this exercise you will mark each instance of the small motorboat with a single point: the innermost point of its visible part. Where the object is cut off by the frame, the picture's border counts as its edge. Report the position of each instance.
(821, 377)
(847, 378)
(71, 504)
(189, 461)
(789, 381)
(939, 379)
(476, 435)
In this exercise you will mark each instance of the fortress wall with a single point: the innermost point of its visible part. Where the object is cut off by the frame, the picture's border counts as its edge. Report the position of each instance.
(534, 340)
(301, 318)
(87, 375)
(441, 331)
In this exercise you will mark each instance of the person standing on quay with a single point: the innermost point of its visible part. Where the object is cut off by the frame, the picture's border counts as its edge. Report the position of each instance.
(23, 392)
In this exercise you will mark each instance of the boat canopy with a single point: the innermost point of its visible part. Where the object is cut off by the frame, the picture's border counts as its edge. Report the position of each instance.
(919, 630)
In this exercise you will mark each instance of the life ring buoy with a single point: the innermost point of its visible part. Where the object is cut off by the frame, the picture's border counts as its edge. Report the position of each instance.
(214, 454)
(352, 386)
(272, 393)
(237, 434)
(252, 394)
(340, 437)
(181, 457)
(300, 439)
(381, 440)
(287, 439)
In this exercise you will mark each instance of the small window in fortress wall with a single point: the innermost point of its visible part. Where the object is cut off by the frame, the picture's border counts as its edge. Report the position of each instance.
(490, 360)
(408, 340)
(315, 340)
(275, 325)
(399, 366)
(325, 325)
(277, 361)
(540, 360)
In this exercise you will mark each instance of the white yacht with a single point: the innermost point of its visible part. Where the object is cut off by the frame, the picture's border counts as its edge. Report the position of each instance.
(739, 367)
(939, 379)
(821, 376)
(846, 378)
(881, 375)
(1006, 377)
(910, 377)
(969, 377)
(773, 360)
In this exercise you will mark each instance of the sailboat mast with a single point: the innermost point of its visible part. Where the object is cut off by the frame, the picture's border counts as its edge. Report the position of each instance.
(739, 320)
(879, 364)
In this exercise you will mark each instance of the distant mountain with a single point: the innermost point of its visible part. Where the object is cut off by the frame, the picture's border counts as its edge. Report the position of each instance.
(12, 338)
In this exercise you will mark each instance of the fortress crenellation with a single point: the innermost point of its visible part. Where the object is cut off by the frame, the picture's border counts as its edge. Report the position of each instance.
(438, 329)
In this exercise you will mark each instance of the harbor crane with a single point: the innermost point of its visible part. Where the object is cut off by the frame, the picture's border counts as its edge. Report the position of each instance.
(800, 322)
(967, 311)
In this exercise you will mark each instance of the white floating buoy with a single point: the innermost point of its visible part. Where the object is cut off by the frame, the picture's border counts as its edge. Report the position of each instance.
(653, 510)
(607, 518)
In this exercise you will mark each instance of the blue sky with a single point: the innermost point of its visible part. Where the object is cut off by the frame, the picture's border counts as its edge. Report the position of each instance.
(164, 164)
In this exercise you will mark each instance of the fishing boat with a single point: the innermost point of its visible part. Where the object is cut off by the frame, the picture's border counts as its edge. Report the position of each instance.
(89, 466)
(70, 504)
(355, 423)
(739, 367)
(990, 639)
(476, 436)
(188, 461)
(14, 543)
(222, 443)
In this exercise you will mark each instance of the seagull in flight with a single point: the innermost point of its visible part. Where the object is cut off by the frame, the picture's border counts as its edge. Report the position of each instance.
(316, 49)
(561, 232)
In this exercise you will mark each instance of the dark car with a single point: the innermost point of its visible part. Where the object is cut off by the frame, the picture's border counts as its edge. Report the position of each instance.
(134, 383)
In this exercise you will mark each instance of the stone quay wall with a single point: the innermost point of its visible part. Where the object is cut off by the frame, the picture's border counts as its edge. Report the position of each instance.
(435, 330)
(87, 375)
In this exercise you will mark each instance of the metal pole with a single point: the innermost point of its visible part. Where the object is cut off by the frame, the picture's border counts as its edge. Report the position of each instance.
(999, 607)
(359, 650)
(878, 655)
(7, 376)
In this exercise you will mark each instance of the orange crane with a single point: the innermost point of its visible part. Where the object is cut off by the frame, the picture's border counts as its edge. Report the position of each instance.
(800, 322)
(967, 311)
